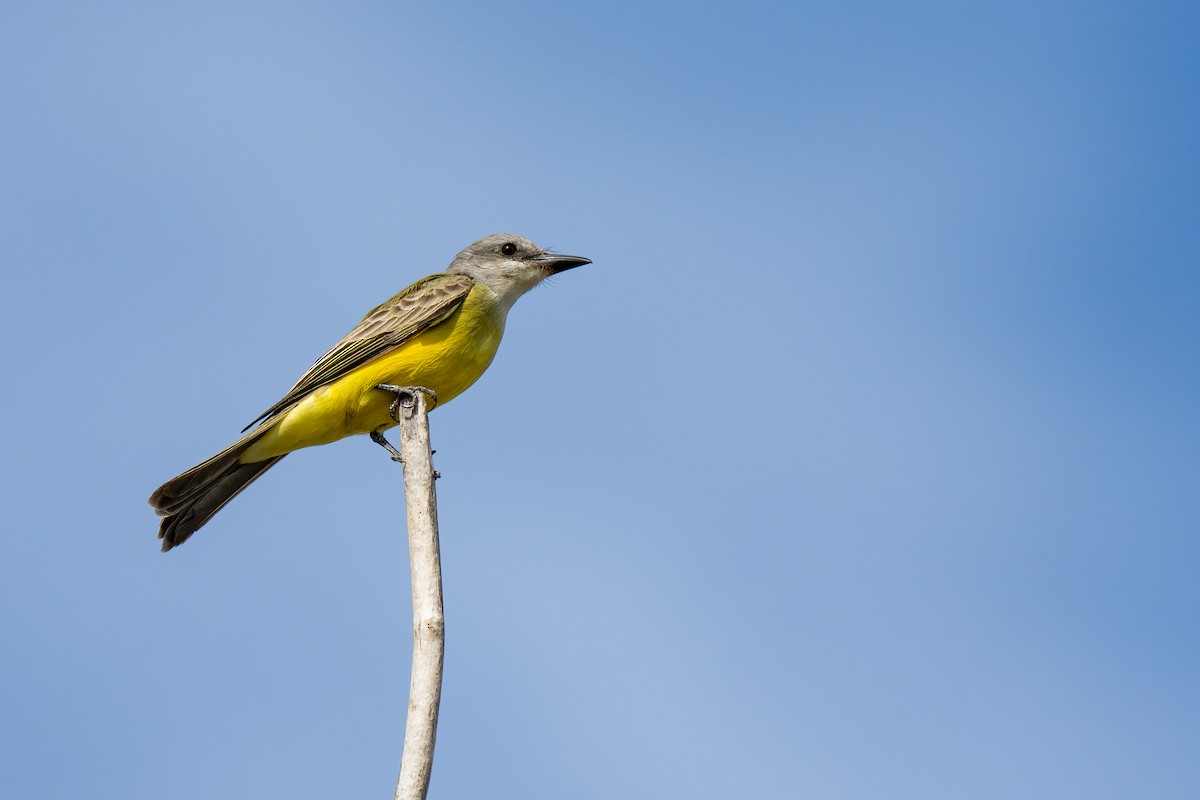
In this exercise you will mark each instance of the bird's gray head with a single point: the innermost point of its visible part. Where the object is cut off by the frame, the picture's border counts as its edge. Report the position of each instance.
(511, 265)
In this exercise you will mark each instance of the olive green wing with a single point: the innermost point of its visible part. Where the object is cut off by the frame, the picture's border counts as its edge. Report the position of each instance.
(424, 304)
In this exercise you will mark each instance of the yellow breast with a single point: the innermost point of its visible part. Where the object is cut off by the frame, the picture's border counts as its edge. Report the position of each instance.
(446, 358)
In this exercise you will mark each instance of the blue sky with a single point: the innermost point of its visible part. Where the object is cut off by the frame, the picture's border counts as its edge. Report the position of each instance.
(862, 463)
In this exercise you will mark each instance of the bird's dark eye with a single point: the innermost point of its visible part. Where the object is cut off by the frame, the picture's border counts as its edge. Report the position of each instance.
(508, 248)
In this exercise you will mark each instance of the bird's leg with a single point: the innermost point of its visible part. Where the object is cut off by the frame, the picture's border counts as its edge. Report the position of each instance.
(378, 439)
(405, 396)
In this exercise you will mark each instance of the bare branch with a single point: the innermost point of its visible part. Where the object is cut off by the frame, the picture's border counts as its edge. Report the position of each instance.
(425, 689)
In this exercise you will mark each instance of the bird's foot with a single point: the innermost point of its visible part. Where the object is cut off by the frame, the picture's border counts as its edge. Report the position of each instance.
(378, 439)
(406, 397)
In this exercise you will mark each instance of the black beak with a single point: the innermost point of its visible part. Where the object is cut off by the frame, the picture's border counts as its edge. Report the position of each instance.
(554, 263)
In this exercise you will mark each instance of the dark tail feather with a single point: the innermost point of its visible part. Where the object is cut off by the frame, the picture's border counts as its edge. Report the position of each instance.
(189, 500)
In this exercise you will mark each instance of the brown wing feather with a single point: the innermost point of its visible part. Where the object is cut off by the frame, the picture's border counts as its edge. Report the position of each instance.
(422, 305)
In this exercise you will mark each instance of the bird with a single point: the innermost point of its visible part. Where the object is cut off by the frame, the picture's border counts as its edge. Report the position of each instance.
(438, 335)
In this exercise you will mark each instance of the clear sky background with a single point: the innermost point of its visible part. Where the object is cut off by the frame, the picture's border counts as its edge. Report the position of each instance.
(864, 462)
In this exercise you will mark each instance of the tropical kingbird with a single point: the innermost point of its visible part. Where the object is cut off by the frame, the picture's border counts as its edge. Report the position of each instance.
(441, 333)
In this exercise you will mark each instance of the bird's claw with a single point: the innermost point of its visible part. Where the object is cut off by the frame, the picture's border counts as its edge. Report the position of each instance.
(406, 397)
(378, 439)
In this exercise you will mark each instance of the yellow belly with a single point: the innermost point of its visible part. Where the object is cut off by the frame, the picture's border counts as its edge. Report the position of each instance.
(446, 358)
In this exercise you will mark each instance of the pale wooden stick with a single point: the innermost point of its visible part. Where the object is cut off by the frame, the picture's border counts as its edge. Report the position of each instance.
(425, 689)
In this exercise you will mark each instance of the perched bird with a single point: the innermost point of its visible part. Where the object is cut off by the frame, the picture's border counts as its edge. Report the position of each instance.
(441, 333)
